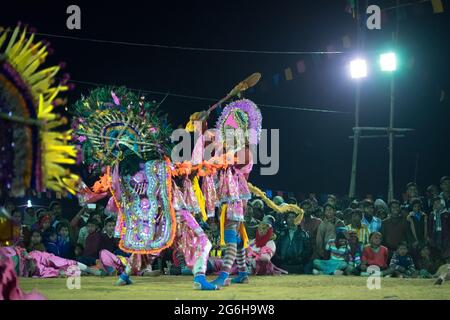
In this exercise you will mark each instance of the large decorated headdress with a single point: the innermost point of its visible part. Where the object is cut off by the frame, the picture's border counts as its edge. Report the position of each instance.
(33, 154)
(116, 125)
(245, 117)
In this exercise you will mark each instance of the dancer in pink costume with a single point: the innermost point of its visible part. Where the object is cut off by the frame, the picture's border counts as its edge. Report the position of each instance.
(42, 264)
(136, 264)
(9, 283)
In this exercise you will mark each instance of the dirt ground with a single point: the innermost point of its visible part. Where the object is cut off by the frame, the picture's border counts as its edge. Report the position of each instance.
(304, 287)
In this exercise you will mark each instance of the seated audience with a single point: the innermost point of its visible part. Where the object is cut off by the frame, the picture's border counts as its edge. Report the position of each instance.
(402, 263)
(339, 256)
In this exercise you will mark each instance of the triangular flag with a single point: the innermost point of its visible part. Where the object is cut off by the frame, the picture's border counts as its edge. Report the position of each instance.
(437, 6)
(269, 193)
(276, 79)
(346, 42)
(301, 66)
(231, 122)
(288, 74)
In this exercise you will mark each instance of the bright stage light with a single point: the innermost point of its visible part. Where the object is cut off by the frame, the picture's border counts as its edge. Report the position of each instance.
(388, 62)
(358, 68)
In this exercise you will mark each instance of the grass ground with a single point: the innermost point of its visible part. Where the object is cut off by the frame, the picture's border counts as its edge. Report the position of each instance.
(269, 288)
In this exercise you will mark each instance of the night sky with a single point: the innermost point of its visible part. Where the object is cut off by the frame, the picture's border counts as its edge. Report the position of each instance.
(315, 151)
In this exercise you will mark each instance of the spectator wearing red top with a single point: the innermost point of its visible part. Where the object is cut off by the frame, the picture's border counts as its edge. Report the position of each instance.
(375, 255)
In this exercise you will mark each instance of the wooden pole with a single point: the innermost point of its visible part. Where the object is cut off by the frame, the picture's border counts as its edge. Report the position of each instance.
(391, 118)
(352, 189)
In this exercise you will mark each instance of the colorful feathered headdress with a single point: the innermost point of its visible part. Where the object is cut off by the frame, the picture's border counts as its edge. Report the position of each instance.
(116, 125)
(33, 154)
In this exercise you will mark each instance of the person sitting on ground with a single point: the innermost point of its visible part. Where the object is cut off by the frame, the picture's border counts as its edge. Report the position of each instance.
(261, 250)
(36, 242)
(402, 263)
(310, 224)
(339, 256)
(251, 223)
(78, 251)
(93, 242)
(426, 264)
(293, 247)
(64, 242)
(108, 241)
(375, 256)
(50, 241)
(356, 248)
(327, 230)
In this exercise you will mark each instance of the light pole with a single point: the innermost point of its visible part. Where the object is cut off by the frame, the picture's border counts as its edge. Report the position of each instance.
(358, 70)
(388, 63)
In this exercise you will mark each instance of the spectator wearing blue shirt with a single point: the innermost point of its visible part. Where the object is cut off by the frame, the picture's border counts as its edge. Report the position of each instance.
(64, 242)
(373, 223)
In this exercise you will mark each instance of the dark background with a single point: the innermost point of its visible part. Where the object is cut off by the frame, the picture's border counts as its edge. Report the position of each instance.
(315, 151)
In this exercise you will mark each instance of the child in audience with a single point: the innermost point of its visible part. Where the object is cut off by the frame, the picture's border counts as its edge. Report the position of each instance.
(402, 263)
(355, 253)
(375, 255)
(339, 255)
(36, 242)
(64, 242)
(426, 265)
(50, 240)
